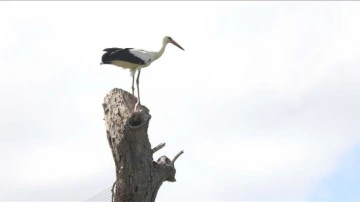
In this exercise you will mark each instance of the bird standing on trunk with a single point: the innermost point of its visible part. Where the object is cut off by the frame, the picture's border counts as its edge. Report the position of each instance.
(134, 59)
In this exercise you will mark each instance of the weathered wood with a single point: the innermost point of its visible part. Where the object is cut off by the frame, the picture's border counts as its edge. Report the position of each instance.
(138, 177)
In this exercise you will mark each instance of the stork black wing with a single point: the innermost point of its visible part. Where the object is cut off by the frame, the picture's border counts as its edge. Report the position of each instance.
(120, 54)
(112, 49)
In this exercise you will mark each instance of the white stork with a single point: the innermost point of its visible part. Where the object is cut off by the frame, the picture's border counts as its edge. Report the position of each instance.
(134, 59)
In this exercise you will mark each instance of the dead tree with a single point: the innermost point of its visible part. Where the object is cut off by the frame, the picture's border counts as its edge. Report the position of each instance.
(138, 177)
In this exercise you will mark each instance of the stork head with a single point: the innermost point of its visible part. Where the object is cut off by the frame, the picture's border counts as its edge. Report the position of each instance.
(168, 39)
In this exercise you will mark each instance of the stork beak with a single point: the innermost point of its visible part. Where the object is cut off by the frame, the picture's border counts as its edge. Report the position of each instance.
(176, 44)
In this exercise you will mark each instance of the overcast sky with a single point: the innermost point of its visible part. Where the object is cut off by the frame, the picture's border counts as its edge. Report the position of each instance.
(264, 100)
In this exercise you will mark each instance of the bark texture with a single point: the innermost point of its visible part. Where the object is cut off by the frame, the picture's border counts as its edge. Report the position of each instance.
(138, 177)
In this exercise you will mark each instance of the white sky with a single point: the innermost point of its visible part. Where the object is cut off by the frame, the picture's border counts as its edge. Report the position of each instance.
(264, 100)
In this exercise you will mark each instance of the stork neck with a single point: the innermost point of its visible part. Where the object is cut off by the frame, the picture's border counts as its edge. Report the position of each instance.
(161, 51)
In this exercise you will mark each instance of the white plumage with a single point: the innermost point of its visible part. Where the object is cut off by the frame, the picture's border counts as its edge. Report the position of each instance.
(145, 56)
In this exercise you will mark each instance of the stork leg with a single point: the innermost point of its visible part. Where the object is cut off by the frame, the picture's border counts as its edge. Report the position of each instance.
(137, 85)
(132, 88)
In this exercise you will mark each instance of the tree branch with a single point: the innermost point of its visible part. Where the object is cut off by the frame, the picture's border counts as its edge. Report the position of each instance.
(157, 148)
(177, 156)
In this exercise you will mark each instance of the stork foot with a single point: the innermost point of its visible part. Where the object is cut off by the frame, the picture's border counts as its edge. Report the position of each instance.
(137, 106)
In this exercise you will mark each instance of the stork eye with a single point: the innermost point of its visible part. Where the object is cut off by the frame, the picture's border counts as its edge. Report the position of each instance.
(169, 38)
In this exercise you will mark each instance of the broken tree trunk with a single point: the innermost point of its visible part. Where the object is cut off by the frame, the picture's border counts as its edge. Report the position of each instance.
(138, 177)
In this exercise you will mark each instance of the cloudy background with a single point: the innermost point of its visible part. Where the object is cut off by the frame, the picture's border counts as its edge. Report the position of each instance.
(264, 100)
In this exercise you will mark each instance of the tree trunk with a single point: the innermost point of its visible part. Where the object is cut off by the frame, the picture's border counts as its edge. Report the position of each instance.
(138, 177)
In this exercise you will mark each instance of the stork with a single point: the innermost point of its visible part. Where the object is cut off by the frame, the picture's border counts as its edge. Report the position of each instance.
(134, 59)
